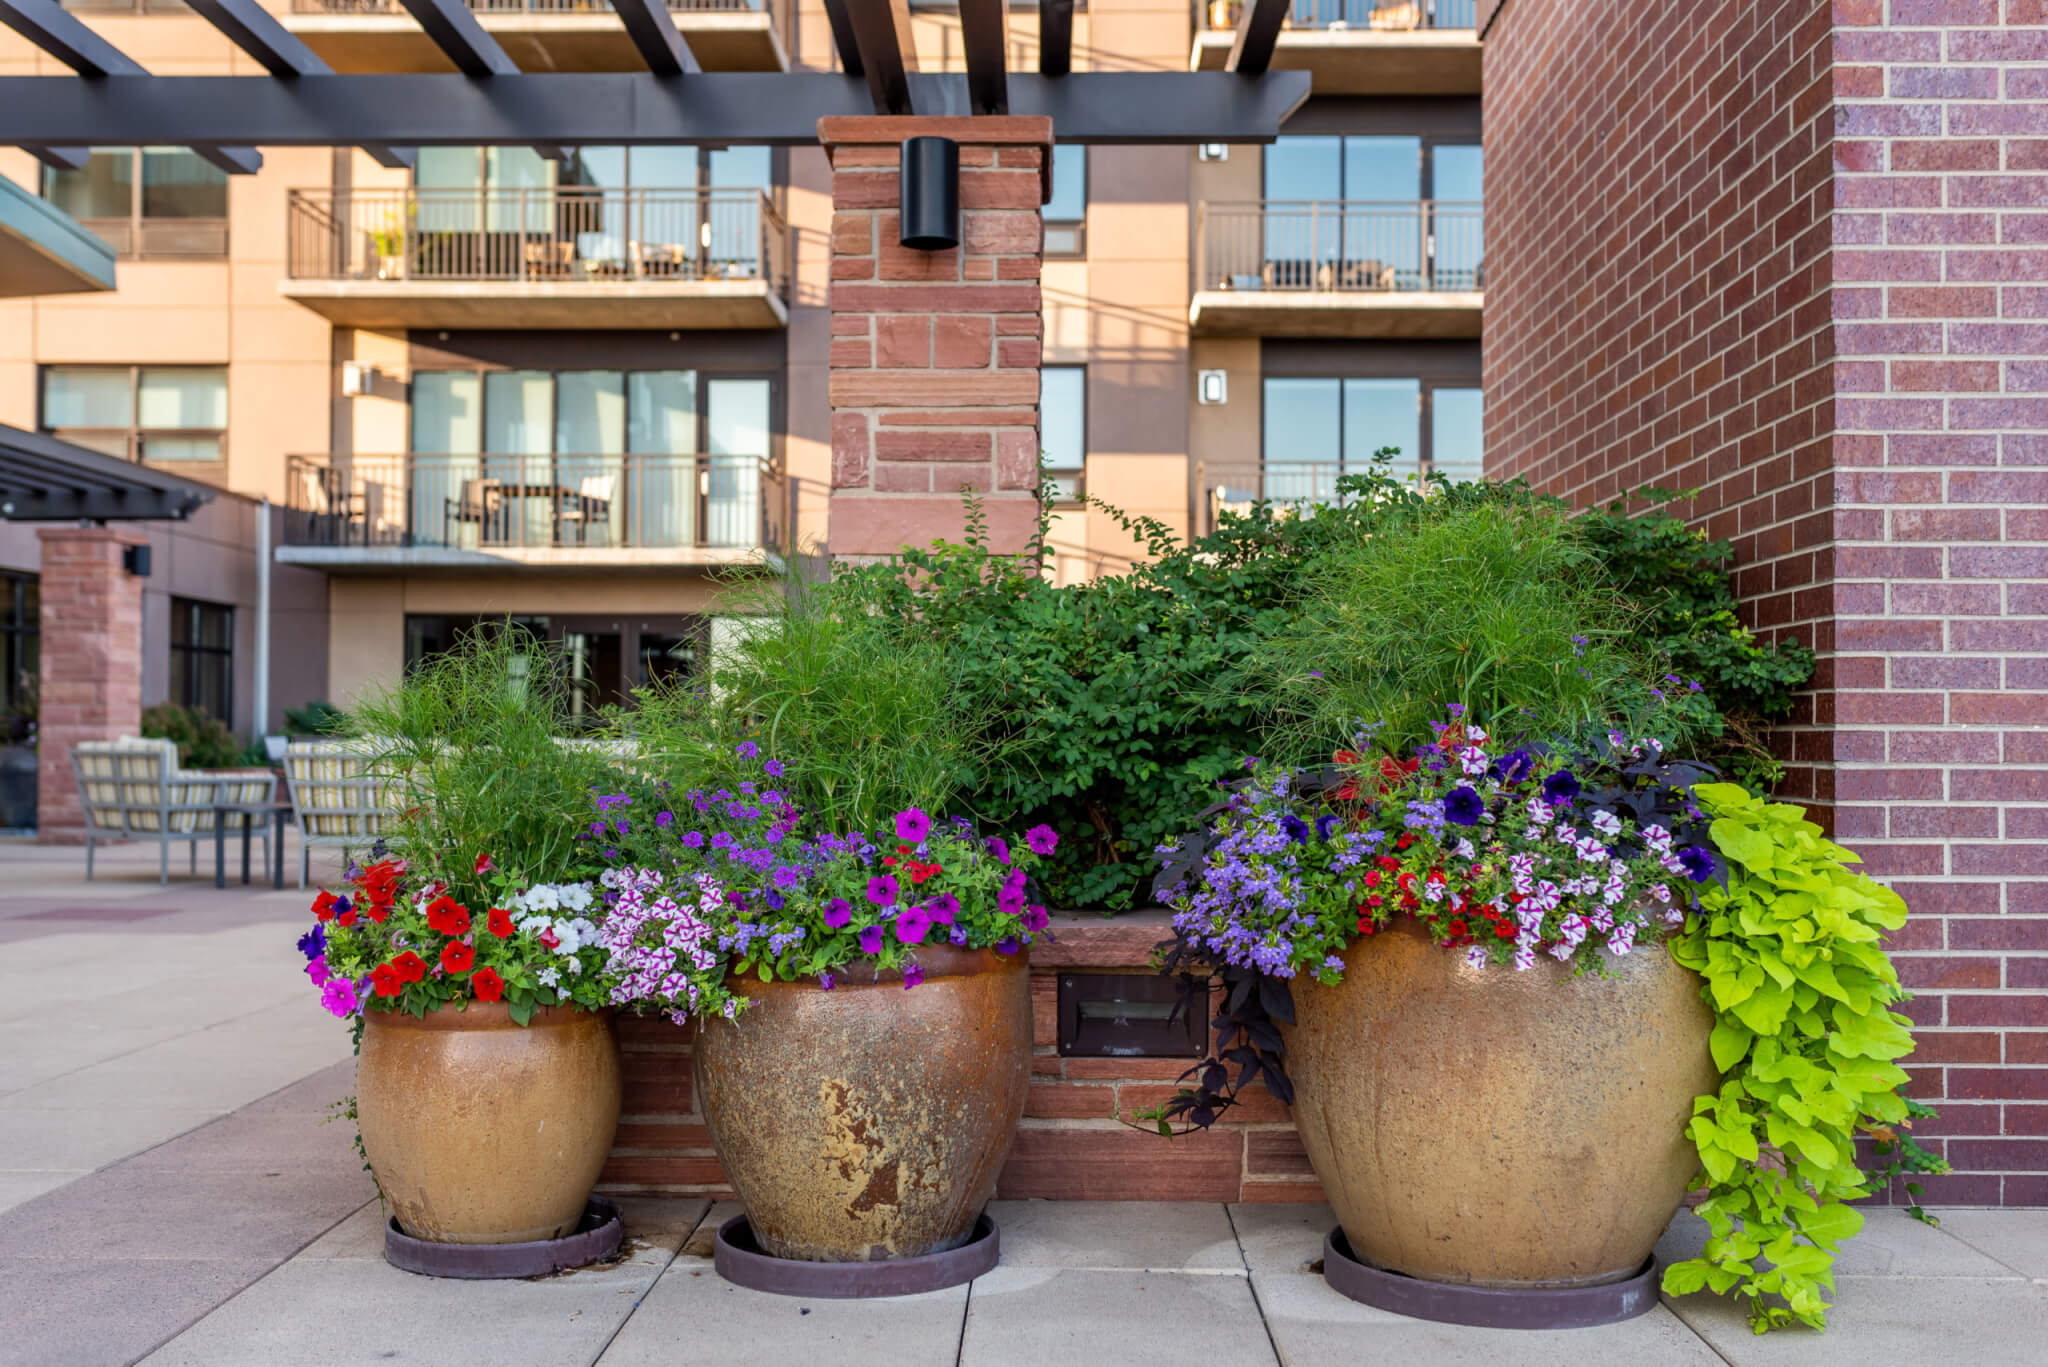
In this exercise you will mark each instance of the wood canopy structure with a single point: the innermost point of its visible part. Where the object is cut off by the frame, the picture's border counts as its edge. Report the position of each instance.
(304, 102)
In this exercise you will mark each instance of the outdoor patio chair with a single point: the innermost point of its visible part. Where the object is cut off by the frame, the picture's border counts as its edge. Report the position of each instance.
(482, 501)
(341, 798)
(588, 506)
(549, 260)
(1395, 14)
(133, 789)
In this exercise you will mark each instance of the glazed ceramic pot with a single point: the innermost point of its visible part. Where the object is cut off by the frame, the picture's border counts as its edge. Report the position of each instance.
(1500, 1128)
(869, 1122)
(480, 1131)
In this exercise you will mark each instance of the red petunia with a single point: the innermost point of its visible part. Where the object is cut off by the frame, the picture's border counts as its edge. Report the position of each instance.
(489, 986)
(499, 923)
(1405, 841)
(323, 905)
(346, 918)
(411, 967)
(483, 864)
(1505, 930)
(550, 939)
(386, 980)
(448, 916)
(456, 957)
(1458, 927)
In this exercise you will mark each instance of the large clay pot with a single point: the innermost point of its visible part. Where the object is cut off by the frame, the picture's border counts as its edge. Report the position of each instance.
(870, 1121)
(1499, 1128)
(480, 1131)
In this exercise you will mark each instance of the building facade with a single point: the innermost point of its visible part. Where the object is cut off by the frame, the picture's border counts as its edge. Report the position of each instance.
(576, 389)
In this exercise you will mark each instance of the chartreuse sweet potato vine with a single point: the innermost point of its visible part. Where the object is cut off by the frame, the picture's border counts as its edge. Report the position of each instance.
(1806, 1042)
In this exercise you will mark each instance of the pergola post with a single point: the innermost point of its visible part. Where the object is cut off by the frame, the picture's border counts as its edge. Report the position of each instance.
(91, 662)
(935, 355)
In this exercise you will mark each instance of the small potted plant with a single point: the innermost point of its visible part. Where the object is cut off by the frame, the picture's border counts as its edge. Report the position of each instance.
(863, 1001)
(487, 1082)
(388, 241)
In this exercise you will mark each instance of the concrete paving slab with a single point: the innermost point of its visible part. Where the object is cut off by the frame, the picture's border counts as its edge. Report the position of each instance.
(1132, 1319)
(341, 1312)
(17, 1187)
(1166, 1236)
(1281, 1238)
(1891, 1244)
(135, 1213)
(1979, 1321)
(2018, 1239)
(298, 1132)
(107, 1312)
(735, 1327)
(1313, 1326)
(76, 1140)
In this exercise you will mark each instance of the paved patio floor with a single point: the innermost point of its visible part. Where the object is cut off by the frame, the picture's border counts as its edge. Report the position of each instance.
(169, 1193)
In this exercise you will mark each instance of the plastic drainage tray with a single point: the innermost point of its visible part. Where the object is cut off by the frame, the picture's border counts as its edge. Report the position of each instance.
(598, 1236)
(1487, 1307)
(740, 1261)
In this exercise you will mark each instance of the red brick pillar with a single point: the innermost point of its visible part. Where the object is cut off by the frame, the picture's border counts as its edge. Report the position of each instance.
(91, 662)
(935, 354)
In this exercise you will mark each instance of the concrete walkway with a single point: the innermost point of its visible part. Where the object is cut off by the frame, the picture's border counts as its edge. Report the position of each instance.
(169, 1193)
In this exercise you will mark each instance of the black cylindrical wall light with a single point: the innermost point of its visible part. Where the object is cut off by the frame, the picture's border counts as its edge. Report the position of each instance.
(929, 181)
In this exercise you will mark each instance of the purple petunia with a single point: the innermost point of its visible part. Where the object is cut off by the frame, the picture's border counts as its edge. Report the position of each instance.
(1035, 917)
(1325, 824)
(1515, 766)
(838, 912)
(338, 995)
(1042, 839)
(1463, 807)
(999, 847)
(1698, 862)
(825, 981)
(912, 925)
(913, 974)
(1561, 786)
(694, 839)
(1007, 945)
(882, 890)
(316, 969)
(871, 940)
(1296, 828)
(912, 824)
(944, 908)
(313, 943)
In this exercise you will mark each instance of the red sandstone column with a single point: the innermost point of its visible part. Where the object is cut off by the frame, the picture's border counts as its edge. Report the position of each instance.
(91, 662)
(935, 355)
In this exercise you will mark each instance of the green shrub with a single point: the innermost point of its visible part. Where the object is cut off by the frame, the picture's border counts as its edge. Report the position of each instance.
(203, 742)
(316, 718)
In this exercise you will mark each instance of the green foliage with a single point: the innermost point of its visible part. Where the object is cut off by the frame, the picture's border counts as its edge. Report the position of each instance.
(1806, 1042)
(203, 742)
(316, 718)
(869, 720)
(470, 742)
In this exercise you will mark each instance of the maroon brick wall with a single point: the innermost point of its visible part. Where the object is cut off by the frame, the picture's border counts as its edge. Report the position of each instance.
(91, 662)
(1795, 255)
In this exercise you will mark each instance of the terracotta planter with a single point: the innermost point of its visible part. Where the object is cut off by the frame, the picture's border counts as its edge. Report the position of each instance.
(1497, 1128)
(480, 1131)
(869, 1122)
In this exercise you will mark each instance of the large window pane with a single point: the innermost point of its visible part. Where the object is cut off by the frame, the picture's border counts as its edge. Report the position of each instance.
(105, 188)
(742, 168)
(157, 447)
(590, 412)
(1380, 413)
(1069, 202)
(1383, 229)
(667, 168)
(87, 397)
(1063, 425)
(597, 168)
(519, 412)
(1303, 442)
(736, 425)
(1383, 168)
(184, 397)
(1457, 433)
(447, 411)
(202, 657)
(519, 182)
(448, 168)
(177, 184)
(1302, 229)
(661, 411)
(737, 413)
(1460, 224)
(1305, 168)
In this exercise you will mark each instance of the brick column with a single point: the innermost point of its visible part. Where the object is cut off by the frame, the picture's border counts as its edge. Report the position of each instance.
(91, 662)
(935, 355)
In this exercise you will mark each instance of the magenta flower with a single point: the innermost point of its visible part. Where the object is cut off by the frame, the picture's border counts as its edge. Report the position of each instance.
(316, 969)
(838, 912)
(1042, 839)
(871, 940)
(1035, 917)
(882, 890)
(339, 997)
(912, 925)
(944, 908)
(999, 847)
(913, 974)
(912, 824)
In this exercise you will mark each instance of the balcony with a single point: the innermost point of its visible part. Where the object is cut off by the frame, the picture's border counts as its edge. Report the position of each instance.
(540, 35)
(539, 258)
(1339, 268)
(370, 513)
(1360, 47)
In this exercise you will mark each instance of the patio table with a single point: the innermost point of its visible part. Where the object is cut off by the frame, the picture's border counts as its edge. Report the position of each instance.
(276, 811)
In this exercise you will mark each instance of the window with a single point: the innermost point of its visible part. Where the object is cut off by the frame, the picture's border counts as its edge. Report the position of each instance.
(20, 662)
(1063, 427)
(147, 203)
(203, 657)
(1066, 213)
(1372, 212)
(1318, 429)
(160, 414)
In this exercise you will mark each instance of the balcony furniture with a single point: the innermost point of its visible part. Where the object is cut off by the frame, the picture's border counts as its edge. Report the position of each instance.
(590, 505)
(482, 501)
(341, 797)
(1355, 275)
(258, 815)
(133, 789)
(549, 260)
(1395, 14)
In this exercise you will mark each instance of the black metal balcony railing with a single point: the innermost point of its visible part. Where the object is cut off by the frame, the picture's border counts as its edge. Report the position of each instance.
(536, 235)
(501, 502)
(1342, 246)
(1380, 15)
(516, 6)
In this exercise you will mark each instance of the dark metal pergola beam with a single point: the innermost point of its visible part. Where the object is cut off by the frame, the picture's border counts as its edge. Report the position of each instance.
(1258, 31)
(61, 34)
(43, 479)
(476, 54)
(985, 37)
(888, 53)
(843, 40)
(1055, 37)
(278, 51)
(61, 158)
(611, 108)
(662, 48)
